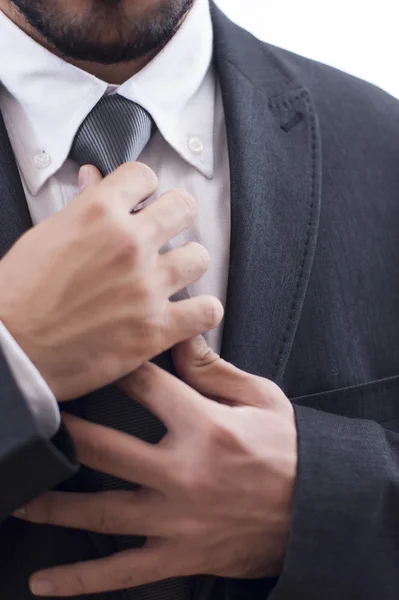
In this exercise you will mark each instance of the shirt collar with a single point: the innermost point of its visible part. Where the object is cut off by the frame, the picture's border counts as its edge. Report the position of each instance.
(44, 99)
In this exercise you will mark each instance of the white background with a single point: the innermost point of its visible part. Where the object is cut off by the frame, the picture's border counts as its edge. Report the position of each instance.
(357, 36)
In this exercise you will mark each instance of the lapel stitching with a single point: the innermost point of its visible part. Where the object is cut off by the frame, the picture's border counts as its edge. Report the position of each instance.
(312, 226)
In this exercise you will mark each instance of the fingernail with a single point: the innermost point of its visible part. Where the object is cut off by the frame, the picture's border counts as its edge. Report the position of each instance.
(84, 176)
(41, 587)
(20, 513)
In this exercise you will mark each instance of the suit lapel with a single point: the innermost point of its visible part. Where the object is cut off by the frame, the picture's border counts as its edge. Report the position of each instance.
(275, 178)
(14, 214)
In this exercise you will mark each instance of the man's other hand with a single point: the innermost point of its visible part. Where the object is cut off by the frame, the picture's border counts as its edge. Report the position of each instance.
(86, 293)
(217, 492)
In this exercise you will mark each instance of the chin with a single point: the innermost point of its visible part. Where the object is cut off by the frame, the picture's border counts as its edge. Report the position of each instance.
(78, 9)
(104, 31)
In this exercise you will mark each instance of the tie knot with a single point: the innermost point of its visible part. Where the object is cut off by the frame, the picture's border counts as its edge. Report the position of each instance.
(116, 131)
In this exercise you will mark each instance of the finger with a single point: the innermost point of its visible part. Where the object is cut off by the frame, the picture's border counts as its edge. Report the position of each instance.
(167, 216)
(213, 377)
(129, 569)
(184, 266)
(196, 315)
(124, 570)
(111, 513)
(171, 400)
(128, 186)
(116, 453)
(88, 175)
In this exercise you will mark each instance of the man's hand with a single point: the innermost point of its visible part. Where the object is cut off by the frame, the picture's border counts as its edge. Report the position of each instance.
(217, 491)
(86, 293)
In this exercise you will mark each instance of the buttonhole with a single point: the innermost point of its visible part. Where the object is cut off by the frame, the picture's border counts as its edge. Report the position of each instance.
(296, 119)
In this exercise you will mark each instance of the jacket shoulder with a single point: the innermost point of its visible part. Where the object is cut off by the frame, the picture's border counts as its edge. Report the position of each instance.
(334, 88)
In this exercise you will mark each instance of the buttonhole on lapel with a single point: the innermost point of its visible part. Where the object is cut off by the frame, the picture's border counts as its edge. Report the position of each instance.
(296, 119)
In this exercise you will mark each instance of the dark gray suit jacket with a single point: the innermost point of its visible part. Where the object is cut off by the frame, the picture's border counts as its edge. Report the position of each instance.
(313, 303)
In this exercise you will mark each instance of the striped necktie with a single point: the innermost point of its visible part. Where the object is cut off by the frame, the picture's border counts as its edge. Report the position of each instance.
(116, 131)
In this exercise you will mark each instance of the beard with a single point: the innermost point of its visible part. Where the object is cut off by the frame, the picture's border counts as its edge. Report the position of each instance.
(104, 31)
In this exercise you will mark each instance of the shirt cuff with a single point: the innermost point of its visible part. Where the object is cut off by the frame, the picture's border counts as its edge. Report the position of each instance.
(37, 393)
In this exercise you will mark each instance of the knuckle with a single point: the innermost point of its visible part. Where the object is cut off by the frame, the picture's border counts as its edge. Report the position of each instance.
(149, 177)
(217, 431)
(196, 485)
(40, 511)
(103, 521)
(128, 243)
(95, 451)
(175, 272)
(156, 332)
(135, 170)
(78, 583)
(212, 313)
(97, 209)
(266, 389)
(148, 230)
(126, 579)
(201, 255)
(274, 389)
(143, 378)
(190, 528)
(192, 476)
(206, 357)
(143, 292)
(221, 437)
(194, 261)
(184, 202)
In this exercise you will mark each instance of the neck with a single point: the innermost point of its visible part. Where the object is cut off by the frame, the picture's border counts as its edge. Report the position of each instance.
(114, 74)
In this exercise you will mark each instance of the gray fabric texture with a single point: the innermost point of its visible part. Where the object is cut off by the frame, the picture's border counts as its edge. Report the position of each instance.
(116, 131)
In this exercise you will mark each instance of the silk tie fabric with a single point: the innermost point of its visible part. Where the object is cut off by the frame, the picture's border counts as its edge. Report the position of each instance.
(115, 132)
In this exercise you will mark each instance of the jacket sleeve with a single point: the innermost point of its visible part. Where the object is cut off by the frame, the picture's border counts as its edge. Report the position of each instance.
(29, 463)
(345, 533)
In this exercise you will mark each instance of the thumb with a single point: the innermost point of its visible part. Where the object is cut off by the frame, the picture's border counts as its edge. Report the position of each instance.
(204, 370)
(88, 175)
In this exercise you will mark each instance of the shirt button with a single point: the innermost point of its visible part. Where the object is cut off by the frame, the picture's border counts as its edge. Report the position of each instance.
(42, 160)
(195, 145)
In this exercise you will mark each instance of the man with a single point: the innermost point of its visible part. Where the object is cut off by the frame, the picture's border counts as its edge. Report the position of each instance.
(245, 495)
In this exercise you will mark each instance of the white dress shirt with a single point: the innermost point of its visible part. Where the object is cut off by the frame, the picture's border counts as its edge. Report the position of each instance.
(44, 100)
